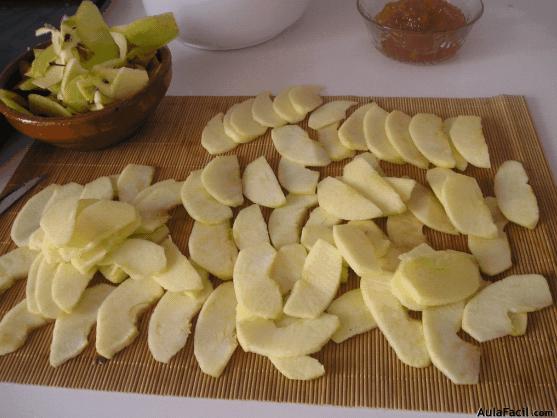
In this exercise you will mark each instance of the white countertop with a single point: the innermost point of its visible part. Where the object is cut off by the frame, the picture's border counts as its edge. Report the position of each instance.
(512, 50)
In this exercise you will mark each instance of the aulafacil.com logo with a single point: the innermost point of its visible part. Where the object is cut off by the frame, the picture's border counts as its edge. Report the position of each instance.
(509, 412)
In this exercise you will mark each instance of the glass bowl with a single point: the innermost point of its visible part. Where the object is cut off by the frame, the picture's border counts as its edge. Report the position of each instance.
(419, 47)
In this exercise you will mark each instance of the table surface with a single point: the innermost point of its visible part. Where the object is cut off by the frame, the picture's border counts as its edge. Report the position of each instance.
(511, 50)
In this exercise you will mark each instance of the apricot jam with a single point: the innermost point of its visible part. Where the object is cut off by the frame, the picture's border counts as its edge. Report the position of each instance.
(421, 31)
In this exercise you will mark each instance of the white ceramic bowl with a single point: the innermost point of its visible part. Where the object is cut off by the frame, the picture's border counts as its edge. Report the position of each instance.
(229, 24)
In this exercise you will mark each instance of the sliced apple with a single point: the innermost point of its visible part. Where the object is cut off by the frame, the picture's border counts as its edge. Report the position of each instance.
(351, 132)
(493, 255)
(285, 224)
(330, 113)
(72, 329)
(306, 98)
(320, 216)
(353, 314)
(345, 202)
(16, 326)
(296, 178)
(199, 204)
(405, 230)
(261, 185)
(403, 186)
(249, 228)
(212, 247)
(320, 280)
(221, 179)
(465, 206)
(513, 294)
(242, 121)
(288, 266)
(31, 284)
(328, 138)
(301, 200)
(398, 134)
(139, 258)
(404, 334)
(15, 265)
(179, 275)
(213, 137)
(371, 160)
(68, 286)
(214, 340)
(43, 290)
(380, 242)
(298, 368)
(294, 144)
(376, 135)
(425, 206)
(158, 198)
(460, 162)
(113, 273)
(100, 188)
(454, 357)
(296, 337)
(467, 137)
(313, 233)
(264, 113)
(283, 106)
(254, 288)
(515, 196)
(496, 213)
(356, 248)
(426, 130)
(368, 182)
(229, 129)
(133, 179)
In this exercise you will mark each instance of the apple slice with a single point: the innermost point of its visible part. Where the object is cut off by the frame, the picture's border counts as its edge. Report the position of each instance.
(371, 160)
(100, 188)
(400, 292)
(320, 216)
(58, 221)
(454, 357)
(404, 334)
(72, 329)
(151, 32)
(403, 186)
(261, 185)
(255, 290)
(199, 204)
(320, 280)
(15, 265)
(284, 107)
(214, 340)
(351, 132)
(301, 200)
(496, 213)
(368, 182)
(356, 248)
(398, 134)
(214, 139)
(28, 218)
(296, 178)
(249, 228)
(330, 113)
(353, 314)
(288, 265)
(296, 337)
(460, 162)
(16, 326)
(221, 179)
(294, 144)
(425, 206)
(118, 314)
(139, 258)
(306, 98)
(515, 196)
(440, 278)
(133, 179)
(264, 113)
(426, 130)
(328, 138)
(298, 368)
(285, 224)
(513, 294)
(466, 208)
(468, 138)
(229, 129)
(493, 255)
(158, 198)
(405, 230)
(212, 247)
(113, 273)
(179, 275)
(31, 284)
(313, 233)
(344, 202)
(377, 237)
(43, 290)
(242, 120)
(436, 178)
(68, 286)
(376, 135)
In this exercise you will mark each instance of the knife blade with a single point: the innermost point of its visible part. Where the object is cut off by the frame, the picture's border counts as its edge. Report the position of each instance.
(14, 196)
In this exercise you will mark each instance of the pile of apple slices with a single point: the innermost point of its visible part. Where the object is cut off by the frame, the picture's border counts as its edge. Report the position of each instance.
(281, 276)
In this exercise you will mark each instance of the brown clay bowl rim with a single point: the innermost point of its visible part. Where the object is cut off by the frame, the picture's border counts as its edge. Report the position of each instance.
(165, 61)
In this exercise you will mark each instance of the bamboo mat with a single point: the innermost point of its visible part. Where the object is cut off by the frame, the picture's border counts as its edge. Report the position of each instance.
(364, 371)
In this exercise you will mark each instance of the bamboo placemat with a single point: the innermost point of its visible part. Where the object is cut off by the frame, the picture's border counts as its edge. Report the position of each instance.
(364, 371)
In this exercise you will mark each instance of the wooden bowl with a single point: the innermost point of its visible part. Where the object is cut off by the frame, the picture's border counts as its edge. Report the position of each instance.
(95, 129)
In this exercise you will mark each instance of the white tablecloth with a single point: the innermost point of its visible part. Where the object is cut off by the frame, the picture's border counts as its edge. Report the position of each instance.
(512, 50)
